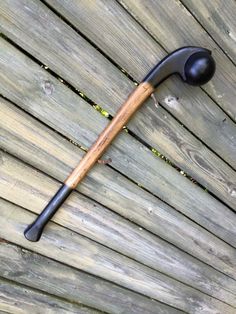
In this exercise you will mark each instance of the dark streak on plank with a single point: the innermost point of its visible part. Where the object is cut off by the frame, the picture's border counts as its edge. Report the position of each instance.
(219, 21)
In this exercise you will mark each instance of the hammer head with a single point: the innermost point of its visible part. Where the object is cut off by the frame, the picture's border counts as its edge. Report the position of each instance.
(195, 66)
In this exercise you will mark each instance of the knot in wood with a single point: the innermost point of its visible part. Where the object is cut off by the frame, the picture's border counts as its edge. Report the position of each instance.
(233, 191)
(48, 87)
(172, 102)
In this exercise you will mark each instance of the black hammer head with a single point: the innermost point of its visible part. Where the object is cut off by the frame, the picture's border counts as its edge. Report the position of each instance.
(195, 66)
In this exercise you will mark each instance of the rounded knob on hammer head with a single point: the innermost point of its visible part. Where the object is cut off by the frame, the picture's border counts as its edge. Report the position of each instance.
(199, 68)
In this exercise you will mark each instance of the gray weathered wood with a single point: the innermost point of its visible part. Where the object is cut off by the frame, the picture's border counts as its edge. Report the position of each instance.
(218, 18)
(144, 167)
(21, 299)
(59, 243)
(156, 16)
(158, 135)
(42, 273)
(130, 46)
(92, 220)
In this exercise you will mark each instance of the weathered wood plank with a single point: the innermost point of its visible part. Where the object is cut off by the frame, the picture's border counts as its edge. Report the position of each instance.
(92, 220)
(144, 167)
(42, 273)
(156, 17)
(218, 18)
(137, 52)
(87, 255)
(184, 154)
(21, 299)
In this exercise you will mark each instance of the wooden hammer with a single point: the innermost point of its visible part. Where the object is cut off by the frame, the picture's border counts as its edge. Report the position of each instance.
(194, 65)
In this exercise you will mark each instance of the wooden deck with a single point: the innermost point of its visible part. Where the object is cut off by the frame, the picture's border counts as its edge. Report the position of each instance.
(145, 234)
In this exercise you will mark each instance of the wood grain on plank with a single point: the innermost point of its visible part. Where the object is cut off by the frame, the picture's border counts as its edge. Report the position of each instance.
(157, 16)
(185, 155)
(92, 220)
(64, 281)
(21, 299)
(130, 46)
(218, 18)
(67, 113)
(37, 271)
(91, 257)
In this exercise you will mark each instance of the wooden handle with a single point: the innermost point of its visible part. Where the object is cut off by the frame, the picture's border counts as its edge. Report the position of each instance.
(138, 96)
(134, 101)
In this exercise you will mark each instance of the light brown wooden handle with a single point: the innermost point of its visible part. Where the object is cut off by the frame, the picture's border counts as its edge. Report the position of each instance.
(138, 96)
(130, 106)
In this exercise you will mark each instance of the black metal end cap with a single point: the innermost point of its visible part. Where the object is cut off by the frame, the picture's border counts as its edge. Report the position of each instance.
(33, 232)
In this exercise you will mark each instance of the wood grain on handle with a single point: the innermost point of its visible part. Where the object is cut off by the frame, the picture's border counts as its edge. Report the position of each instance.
(134, 101)
(34, 231)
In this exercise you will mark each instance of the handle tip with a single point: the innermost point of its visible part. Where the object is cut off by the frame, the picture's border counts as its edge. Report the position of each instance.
(33, 233)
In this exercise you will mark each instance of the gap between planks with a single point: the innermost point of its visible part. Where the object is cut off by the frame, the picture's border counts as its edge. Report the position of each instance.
(15, 297)
(69, 282)
(83, 252)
